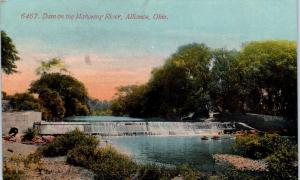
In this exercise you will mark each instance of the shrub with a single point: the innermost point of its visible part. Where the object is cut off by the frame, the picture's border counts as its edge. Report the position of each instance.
(283, 164)
(23, 102)
(29, 134)
(188, 172)
(109, 164)
(81, 156)
(259, 146)
(53, 105)
(63, 144)
(155, 172)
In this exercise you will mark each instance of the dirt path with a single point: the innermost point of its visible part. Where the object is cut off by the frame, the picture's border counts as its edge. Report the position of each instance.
(48, 168)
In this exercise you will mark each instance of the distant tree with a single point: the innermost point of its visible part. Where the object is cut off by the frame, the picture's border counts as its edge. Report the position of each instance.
(24, 102)
(53, 105)
(129, 100)
(9, 54)
(72, 91)
(51, 65)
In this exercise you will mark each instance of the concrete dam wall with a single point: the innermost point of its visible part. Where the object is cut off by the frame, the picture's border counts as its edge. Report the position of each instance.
(133, 128)
(20, 120)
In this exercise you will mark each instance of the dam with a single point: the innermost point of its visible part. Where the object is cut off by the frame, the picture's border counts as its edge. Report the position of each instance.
(123, 126)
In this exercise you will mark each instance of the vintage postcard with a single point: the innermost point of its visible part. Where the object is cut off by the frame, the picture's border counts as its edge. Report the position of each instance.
(149, 89)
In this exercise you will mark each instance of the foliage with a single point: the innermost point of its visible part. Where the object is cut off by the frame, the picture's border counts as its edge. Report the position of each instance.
(280, 154)
(11, 174)
(188, 172)
(9, 54)
(283, 164)
(176, 89)
(269, 68)
(225, 86)
(260, 78)
(63, 144)
(53, 105)
(259, 146)
(155, 172)
(51, 65)
(29, 134)
(72, 92)
(23, 102)
(129, 101)
(98, 107)
(109, 164)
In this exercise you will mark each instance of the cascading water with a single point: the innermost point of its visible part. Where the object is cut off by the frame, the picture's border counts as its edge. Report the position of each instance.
(157, 128)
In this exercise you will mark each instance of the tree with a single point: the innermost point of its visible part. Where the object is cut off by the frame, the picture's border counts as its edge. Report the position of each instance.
(24, 102)
(72, 92)
(51, 65)
(181, 84)
(9, 54)
(270, 70)
(53, 105)
(226, 86)
(129, 100)
(176, 89)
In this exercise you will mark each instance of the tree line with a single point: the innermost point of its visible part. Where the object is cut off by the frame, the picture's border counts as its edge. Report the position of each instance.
(259, 78)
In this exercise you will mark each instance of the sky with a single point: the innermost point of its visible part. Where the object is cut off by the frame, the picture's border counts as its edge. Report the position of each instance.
(105, 54)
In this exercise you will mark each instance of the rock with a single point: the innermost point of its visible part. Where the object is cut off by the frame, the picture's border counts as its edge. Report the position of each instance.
(48, 139)
(10, 138)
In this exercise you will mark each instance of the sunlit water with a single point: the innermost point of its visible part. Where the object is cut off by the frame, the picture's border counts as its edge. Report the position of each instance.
(173, 150)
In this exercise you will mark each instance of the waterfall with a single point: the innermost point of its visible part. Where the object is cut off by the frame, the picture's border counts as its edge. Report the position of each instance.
(157, 128)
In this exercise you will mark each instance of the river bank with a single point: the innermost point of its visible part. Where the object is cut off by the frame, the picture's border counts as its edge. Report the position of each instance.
(47, 168)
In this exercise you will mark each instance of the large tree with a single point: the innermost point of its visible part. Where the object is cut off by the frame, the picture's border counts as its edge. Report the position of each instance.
(9, 54)
(72, 91)
(176, 89)
(226, 86)
(270, 70)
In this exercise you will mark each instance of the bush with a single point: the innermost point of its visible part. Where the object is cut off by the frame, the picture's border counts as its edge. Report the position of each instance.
(53, 105)
(81, 156)
(259, 146)
(188, 172)
(283, 164)
(23, 102)
(29, 134)
(155, 172)
(63, 144)
(109, 164)
(280, 154)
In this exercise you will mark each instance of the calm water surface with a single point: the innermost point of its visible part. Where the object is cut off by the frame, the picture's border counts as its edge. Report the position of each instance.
(173, 150)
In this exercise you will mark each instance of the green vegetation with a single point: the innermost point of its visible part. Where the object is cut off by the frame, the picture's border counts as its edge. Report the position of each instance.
(279, 153)
(260, 78)
(51, 65)
(23, 102)
(29, 134)
(72, 92)
(9, 54)
(53, 105)
(63, 144)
